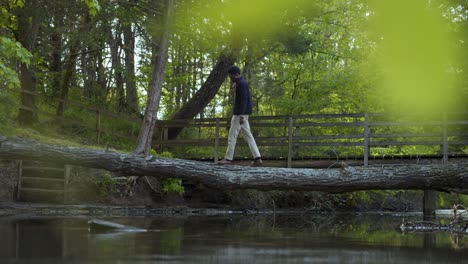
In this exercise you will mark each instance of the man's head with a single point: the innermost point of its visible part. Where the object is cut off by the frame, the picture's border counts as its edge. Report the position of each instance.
(234, 73)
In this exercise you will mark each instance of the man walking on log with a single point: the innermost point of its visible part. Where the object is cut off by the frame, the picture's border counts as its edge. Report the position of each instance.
(240, 119)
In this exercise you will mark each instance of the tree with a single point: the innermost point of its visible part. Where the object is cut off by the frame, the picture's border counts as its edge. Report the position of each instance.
(29, 18)
(131, 96)
(145, 136)
(10, 50)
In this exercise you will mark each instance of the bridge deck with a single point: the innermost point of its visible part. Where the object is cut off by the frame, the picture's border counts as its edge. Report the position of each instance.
(327, 162)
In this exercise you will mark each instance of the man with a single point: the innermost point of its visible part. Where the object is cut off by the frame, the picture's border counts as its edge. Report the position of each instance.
(240, 119)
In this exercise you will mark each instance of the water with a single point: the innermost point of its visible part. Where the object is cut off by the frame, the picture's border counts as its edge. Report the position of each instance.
(228, 239)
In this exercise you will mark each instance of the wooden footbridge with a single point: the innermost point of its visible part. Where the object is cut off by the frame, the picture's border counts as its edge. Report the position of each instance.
(322, 140)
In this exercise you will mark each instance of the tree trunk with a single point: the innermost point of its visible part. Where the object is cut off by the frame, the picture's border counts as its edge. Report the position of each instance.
(154, 95)
(28, 18)
(130, 80)
(115, 43)
(70, 65)
(90, 50)
(206, 93)
(444, 177)
(56, 53)
(100, 93)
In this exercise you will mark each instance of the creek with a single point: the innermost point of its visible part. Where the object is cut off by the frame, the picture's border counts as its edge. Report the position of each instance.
(283, 238)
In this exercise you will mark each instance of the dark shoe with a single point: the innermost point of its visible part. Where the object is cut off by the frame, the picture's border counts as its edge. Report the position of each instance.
(256, 163)
(224, 162)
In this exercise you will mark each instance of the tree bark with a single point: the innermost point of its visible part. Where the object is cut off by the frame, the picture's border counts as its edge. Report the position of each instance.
(114, 40)
(443, 177)
(131, 95)
(145, 136)
(29, 19)
(57, 40)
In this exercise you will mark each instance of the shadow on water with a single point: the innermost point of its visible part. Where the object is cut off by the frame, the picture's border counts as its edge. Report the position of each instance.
(368, 238)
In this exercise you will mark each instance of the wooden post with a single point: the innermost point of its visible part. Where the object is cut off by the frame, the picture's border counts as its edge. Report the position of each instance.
(366, 139)
(429, 199)
(216, 146)
(17, 241)
(429, 202)
(297, 133)
(165, 136)
(98, 126)
(159, 136)
(290, 141)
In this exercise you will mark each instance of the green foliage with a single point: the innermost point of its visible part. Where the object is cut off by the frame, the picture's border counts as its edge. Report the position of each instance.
(169, 185)
(17, 3)
(448, 200)
(106, 186)
(7, 19)
(164, 154)
(14, 50)
(172, 185)
(93, 6)
(362, 200)
(11, 51)
(8, 109)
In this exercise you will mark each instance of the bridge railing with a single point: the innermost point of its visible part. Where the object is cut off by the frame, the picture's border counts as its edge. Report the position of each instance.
(361, 136)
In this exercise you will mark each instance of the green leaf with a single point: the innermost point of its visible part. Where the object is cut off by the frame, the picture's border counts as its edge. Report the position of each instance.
(93, 6)
(9, 75)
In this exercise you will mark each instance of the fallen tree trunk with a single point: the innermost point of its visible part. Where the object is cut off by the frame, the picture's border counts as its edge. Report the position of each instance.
(444, 177)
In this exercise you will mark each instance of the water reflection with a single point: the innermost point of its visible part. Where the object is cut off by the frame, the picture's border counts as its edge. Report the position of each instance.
(228, 239)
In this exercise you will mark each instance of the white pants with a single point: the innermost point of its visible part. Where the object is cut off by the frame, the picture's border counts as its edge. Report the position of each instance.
(236, 127)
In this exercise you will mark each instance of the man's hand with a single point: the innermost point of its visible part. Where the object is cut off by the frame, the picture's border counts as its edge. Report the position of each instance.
(241, 119)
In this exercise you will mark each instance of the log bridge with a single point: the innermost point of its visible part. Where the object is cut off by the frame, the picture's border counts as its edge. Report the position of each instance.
(359, 130)
(449, 177)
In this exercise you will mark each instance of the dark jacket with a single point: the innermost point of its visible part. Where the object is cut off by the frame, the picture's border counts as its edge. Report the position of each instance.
(243, 102)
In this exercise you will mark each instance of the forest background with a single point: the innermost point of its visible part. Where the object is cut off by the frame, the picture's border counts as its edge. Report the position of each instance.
(167, 59)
